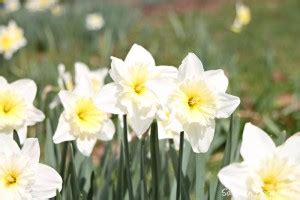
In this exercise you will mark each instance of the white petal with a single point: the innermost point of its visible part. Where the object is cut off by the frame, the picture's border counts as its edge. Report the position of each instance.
(161, 88)
(107, 132)
(234, 177)
(67, 98)
(34, 115)
(22, 133)
(256, 144)
(139, 54)
(82, 80)
(226, 104)
(108, 98)
(3, 82)
(47, 182)
(290, 148)
(86, 146)
(167, 72)
(139, 122)
(31, 148)
(63, 132)
(118, 69)
(200, 137)
(8, 145)
(217, 79)
(191, 66)
(26, 87)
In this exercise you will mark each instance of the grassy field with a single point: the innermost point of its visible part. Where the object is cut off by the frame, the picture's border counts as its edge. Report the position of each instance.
(262, 62)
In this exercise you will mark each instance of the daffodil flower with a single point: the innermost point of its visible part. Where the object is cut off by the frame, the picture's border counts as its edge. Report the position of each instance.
(267, 172)
(243, 17)
(137, 81)
(11, 39)
(83, 120)
(94, 21)
(11, 5)
(16, 107)
(198, 98)
(39, 5)
(21, 174)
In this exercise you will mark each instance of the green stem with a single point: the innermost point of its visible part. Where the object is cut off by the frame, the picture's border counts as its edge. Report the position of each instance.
(200, 175)
(127, 162)
(179, 165)
(143, 181)
(154, 159)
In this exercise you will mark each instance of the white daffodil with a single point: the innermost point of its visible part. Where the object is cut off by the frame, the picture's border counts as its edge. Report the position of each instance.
(21, 174)
(83, 119)
(137, 83)
(11, 5)
(11, 39)
(198, 99)
(94, 21)
(243, 17)
(168, 126)
(267, 172)
(94, 79)
(16, 107)
(39, 5)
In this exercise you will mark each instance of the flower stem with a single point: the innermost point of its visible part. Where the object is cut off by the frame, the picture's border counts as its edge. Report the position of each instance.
(179, 165)
(143, 181)
(127, 162)
(154, 150)
(200, 175)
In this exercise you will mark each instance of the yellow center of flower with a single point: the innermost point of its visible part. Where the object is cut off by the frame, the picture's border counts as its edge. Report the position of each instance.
(280, 180)
(88, 118)
(10, 179)
(12, 107)
(244, 15)
(6, 42)
(194, 101)
(139, 76)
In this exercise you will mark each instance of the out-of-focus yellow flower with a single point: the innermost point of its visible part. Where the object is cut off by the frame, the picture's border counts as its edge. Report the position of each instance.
(94, 21)
(243, 17)
(57, 10)
(40, 5)
(11, 39)
(11, 5)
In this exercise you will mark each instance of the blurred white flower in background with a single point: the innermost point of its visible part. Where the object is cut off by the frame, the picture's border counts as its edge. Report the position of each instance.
(267, 172)
(199, 98)
(83, 119)
(16, 107)
(94, 21)
(243, 17)
(11, 39)
(94, 79)
(57, 10)
(137, 81)
(40, 5)
(83, 77)
(21, 174)
(11, 5)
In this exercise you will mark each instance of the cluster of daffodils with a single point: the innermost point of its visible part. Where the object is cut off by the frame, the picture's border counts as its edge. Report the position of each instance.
(243, 17)
(11, 39)
(267, 172)
(188, 99)
(94, 21)
(21, 175)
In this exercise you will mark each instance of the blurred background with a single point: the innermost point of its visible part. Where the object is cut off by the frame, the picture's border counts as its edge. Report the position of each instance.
(262, 59)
